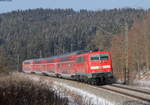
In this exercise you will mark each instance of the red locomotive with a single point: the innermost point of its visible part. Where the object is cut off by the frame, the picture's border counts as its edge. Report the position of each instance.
(93, 67)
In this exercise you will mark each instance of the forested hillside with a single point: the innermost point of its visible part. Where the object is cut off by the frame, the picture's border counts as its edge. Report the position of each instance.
(47, 32)
(135, 52)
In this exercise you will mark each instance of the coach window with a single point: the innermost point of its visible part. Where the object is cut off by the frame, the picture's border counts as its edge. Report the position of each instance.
(37, 62)
(80, 59)
(64, 58)
(95, 57)
(26, 62)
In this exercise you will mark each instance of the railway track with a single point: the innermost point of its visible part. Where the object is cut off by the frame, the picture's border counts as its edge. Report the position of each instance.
(130, 92)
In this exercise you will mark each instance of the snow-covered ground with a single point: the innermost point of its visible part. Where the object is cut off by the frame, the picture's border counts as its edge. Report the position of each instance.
(76, 96)
(81, 94)
(143, 80)
(87, 98)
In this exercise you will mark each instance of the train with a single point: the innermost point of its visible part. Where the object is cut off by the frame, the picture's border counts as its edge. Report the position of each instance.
(90, 66)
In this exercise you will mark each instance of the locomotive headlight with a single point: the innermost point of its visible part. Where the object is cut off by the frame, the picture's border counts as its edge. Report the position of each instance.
(106, 66)
(94, 67)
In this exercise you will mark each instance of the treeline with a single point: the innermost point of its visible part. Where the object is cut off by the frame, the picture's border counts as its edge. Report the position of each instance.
(131, 50)
(47, 32)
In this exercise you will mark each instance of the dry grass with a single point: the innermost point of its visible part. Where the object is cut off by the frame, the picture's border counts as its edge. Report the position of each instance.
(22, 91)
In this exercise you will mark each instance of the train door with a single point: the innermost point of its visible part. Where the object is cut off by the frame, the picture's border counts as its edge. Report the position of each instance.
(80, 64)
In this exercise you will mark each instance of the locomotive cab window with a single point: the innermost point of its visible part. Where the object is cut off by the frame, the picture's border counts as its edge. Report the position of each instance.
(99, 57)
(104, 57)
(95, 57)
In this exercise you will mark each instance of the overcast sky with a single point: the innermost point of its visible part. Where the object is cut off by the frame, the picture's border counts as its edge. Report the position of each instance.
(7, 6)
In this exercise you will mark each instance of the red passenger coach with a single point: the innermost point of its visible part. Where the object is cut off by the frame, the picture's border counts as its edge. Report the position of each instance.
(89, 66)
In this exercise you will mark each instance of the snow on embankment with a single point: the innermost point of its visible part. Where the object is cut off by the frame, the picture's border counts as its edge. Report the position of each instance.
(81, 94)
(76, 96)
(87, 98)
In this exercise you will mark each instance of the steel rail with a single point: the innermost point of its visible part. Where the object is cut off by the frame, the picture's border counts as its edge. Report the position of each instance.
(126, 94)
(136, 90)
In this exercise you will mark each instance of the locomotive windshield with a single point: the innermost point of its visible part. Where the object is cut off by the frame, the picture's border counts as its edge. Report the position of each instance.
(103, 56)
(99, 57)
(95, 57)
